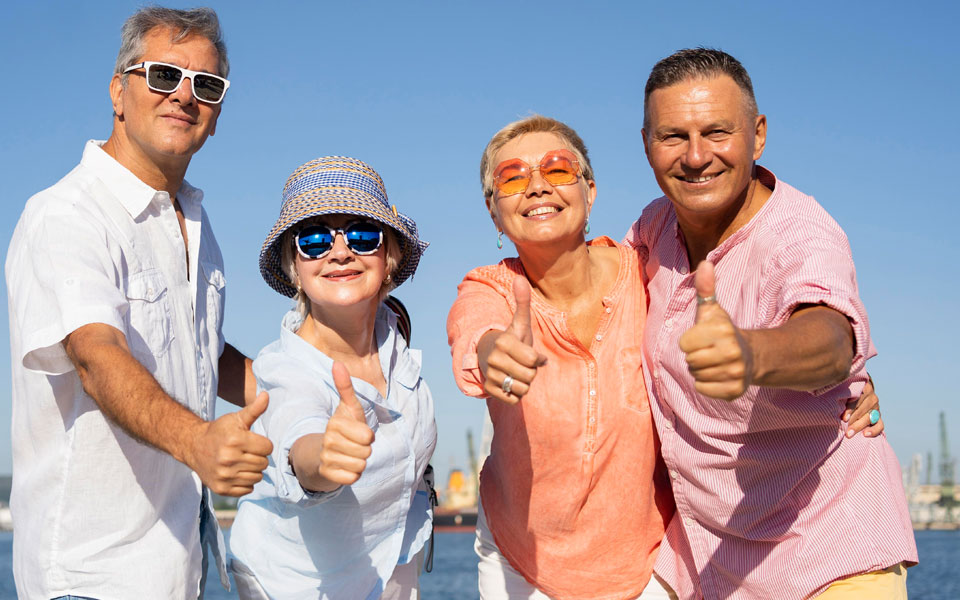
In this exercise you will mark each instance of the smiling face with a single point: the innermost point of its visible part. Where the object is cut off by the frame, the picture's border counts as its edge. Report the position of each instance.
(543, 213)
(160, 127)
(702, 143)
(341, 278)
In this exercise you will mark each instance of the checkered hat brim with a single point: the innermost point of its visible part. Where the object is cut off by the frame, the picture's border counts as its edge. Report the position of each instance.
(337, 185)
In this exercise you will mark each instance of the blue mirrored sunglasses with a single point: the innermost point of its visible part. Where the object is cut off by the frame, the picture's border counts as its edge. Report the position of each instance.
(361, 237)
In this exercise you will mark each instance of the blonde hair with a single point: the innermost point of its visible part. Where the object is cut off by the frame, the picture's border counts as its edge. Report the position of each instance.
(532, 124)
(393, 254)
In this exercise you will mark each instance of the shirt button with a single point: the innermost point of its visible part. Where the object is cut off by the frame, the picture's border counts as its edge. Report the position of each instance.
(593, 420)
(149, 291)
(668, 424)
(683, 270)
(668, 323)
(688, 521)
(599, 337)
(593, 392)
(609, 310)
(674, 474)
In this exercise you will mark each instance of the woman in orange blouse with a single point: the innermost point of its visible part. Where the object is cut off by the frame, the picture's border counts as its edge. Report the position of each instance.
(569, 505)
(574, 499)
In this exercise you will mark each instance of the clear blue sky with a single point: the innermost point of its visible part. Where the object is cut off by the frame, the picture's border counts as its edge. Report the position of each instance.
(861, 101)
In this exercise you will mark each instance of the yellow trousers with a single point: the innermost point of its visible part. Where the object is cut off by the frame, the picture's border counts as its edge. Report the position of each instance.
(888, 584)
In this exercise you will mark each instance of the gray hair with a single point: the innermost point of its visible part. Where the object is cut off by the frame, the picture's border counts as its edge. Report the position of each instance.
(196, 21)
(697, 63)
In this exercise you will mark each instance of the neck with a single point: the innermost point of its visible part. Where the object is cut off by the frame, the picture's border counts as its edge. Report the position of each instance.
(342, 333)
(702, 232)
(160, 173)
(560, 272)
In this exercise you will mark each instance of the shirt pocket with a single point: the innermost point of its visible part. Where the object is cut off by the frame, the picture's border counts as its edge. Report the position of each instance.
(631, 379)
(149, 321)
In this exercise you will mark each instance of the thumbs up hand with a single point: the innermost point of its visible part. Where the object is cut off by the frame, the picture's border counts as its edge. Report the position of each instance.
(227, 456)
(347, 442)
(507, 358)
(719, 355)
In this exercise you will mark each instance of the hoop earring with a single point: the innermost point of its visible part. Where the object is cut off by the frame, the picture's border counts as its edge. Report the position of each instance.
(499, 240)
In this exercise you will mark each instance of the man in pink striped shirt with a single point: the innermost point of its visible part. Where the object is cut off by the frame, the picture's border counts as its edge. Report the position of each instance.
(751, 359)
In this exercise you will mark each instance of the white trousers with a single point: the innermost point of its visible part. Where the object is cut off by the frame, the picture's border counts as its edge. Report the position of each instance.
(404, 584)
(500, 581)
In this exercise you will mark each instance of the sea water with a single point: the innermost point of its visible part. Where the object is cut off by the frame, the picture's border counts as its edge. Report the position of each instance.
(454, 575)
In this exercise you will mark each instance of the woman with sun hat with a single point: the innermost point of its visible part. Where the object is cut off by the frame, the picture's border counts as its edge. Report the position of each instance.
(342, 511)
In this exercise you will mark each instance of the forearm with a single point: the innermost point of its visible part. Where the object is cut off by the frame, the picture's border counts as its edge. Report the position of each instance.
(813, 349)
(236, 384)
(130, 397)
(305, 460)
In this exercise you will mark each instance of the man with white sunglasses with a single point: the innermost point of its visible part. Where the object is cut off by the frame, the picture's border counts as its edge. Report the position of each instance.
(116, 296)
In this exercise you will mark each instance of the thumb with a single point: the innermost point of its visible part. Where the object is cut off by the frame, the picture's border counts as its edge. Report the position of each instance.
(520, 326)
(251, 412)
(349, 404)
(705, 282)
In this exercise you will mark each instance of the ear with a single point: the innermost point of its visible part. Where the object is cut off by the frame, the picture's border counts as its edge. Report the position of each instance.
(116, 93)
(492, 209)
(646, 146)
(591, 194)
(760, 137)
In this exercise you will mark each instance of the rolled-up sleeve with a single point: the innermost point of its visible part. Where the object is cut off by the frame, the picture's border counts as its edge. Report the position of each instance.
(298, 406)
(821, 271)
(66, 278)
(480, 306)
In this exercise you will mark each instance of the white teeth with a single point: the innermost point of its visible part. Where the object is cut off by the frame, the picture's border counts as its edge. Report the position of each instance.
(543, 210)
(698, 179)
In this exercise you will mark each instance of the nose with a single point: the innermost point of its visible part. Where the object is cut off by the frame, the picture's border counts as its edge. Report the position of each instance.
(184, 92)
(538, 185)
(340, 251)
(698, 154)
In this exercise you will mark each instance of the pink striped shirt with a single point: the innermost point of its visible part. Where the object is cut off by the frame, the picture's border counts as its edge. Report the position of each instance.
(772, 500)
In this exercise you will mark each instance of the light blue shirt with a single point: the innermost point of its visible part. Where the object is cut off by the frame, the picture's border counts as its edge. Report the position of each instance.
(346, 543)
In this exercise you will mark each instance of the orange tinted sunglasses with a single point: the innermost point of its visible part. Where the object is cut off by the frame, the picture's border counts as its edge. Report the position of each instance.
(557, 167)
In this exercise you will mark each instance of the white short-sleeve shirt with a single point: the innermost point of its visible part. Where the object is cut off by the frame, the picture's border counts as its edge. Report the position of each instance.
(95, 512)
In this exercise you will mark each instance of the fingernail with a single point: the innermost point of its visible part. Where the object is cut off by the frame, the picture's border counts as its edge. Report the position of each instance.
(867, 434)
(850, 433)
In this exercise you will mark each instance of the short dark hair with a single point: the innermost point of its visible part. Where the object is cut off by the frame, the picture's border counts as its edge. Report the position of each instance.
(697, 63)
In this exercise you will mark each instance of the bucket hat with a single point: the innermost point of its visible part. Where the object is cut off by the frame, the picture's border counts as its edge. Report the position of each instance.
(337, 185)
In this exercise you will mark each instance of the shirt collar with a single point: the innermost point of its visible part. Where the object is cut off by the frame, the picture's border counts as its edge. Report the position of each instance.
(767, 178)
(133, 194)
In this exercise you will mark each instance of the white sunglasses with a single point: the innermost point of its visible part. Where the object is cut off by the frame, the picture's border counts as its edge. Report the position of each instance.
(166, 78)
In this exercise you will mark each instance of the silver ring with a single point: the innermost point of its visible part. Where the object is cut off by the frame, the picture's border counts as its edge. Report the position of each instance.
(507, 384)
(705, 300)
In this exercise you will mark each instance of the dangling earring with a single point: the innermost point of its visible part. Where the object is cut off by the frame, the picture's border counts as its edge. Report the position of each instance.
(387, 279)
(499, 240)
(586, 227)
(299, 289)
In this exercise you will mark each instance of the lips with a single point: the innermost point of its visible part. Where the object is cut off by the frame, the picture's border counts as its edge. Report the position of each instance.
(341, 275)
(541, 210)
(181, 117)
(698, 178)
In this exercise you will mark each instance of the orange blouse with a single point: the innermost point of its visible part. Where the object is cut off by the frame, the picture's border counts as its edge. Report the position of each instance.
(569, 489)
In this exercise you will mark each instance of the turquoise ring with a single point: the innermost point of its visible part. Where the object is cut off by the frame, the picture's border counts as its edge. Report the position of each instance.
(874, 416)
